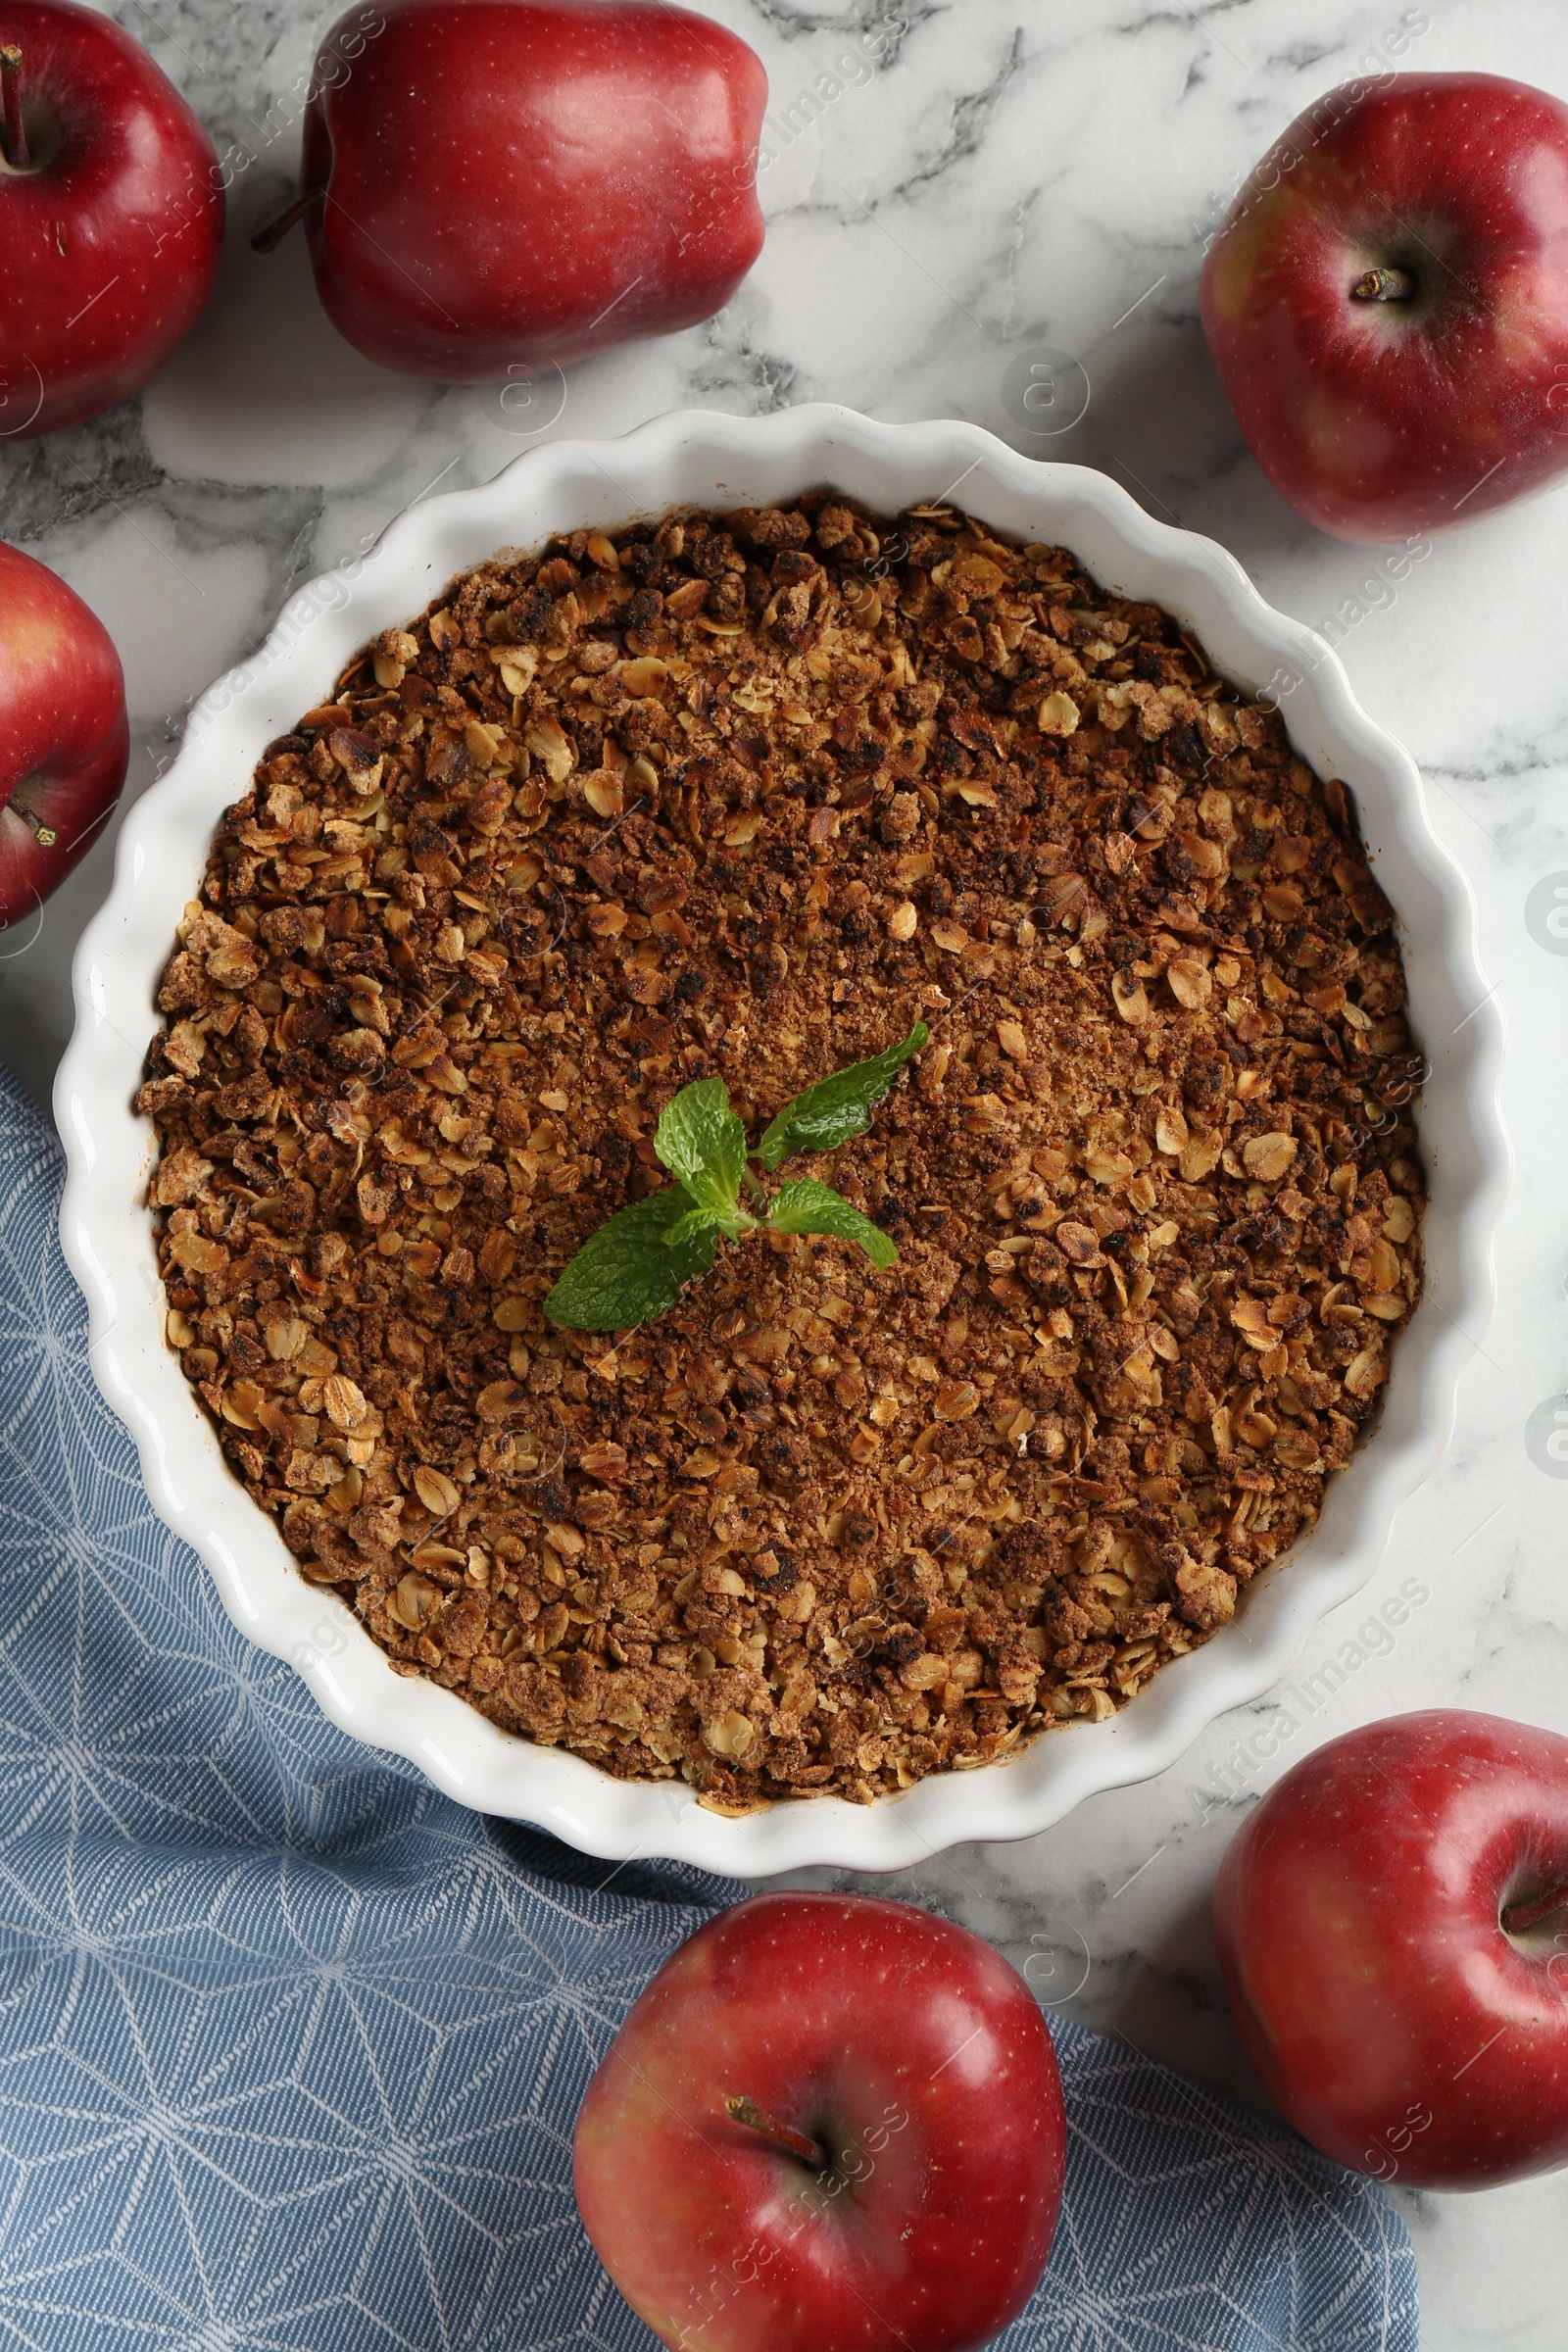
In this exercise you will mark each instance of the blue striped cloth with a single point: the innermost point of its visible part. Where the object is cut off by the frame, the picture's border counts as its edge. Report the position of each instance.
(291, 2046)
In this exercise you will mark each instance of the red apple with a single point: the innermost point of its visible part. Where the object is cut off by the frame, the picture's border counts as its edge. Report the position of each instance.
(493, 185)
(1387, 304)
(830, 2124)
(64, 737)
(1392, 1924)
(112, 216)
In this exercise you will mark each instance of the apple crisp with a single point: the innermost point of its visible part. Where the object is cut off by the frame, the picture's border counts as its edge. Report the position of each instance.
(746, 795)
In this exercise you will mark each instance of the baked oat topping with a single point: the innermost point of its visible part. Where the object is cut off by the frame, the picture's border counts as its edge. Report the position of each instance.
(745, 795)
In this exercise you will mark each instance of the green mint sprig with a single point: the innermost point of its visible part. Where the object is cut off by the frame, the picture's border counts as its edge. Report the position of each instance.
(637, 1263)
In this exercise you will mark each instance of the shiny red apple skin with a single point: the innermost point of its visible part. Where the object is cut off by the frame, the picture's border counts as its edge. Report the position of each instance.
(64, 741)
(111, 243)
(1377, 1997)
(516, 182)
(908, 2046)
(1381, 421)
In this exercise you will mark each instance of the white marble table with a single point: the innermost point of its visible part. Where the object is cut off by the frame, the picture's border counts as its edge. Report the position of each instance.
(1015, 174)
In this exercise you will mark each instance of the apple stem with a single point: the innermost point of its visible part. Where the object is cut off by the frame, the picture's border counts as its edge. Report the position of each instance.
(44, 835)
(1384, 285)
(267, 239)
(18, 154)
(757, 2119)
(1519, 1918)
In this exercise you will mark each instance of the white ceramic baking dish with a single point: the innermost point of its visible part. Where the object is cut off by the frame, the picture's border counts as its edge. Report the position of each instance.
(708, 460)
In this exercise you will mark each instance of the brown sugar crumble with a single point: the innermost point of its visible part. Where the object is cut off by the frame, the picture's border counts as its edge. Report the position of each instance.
(746, 795)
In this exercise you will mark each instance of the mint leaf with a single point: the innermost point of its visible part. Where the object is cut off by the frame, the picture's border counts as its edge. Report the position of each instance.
(838, 1107)
(629, 1269)
(806, 1206)
(703, 1144)
(700, 1220)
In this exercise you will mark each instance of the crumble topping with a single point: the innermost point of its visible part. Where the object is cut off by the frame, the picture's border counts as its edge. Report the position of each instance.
(745, 795)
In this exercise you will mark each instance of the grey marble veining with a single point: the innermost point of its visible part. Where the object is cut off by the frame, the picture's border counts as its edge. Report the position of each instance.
(1010, 175)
